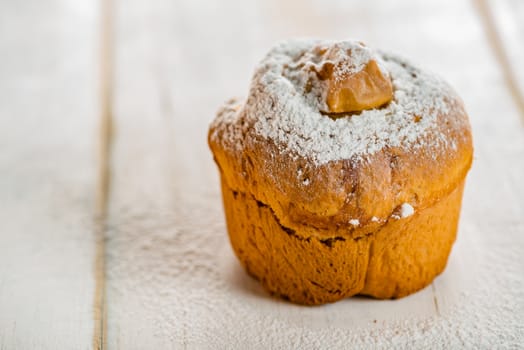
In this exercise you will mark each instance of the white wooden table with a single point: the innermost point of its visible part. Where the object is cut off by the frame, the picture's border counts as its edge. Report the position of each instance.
(111, 226)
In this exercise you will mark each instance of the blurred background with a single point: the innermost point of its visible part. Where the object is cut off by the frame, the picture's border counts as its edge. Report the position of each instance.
(111, 230)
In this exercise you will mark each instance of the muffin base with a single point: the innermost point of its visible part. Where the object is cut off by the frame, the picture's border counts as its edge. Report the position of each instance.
(401, 257)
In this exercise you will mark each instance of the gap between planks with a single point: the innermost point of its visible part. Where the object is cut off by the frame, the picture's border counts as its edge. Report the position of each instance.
(104, 175)
(495, 41)
(435, 299)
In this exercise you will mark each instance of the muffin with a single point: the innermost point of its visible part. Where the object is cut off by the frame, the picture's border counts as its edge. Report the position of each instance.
(342, 172)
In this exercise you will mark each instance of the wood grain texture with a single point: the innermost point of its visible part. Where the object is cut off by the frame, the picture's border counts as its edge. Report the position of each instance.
(106, 31)
(172, 279)
(48, 121)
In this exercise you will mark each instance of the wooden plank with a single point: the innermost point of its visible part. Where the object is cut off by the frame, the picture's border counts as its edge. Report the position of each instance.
(48, 136)
(505, 31)
(172, 279)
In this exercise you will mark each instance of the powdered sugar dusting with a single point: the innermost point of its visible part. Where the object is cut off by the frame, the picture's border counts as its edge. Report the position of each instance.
(285, 105)
(406, 210)
(310, 69)
(345, 57)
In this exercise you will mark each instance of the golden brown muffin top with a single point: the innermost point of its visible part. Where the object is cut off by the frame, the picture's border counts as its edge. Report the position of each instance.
(286, 146)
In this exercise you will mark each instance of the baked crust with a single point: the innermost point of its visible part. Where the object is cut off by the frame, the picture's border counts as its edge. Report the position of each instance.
(340, 191)
(397, 259)
(318, 231)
